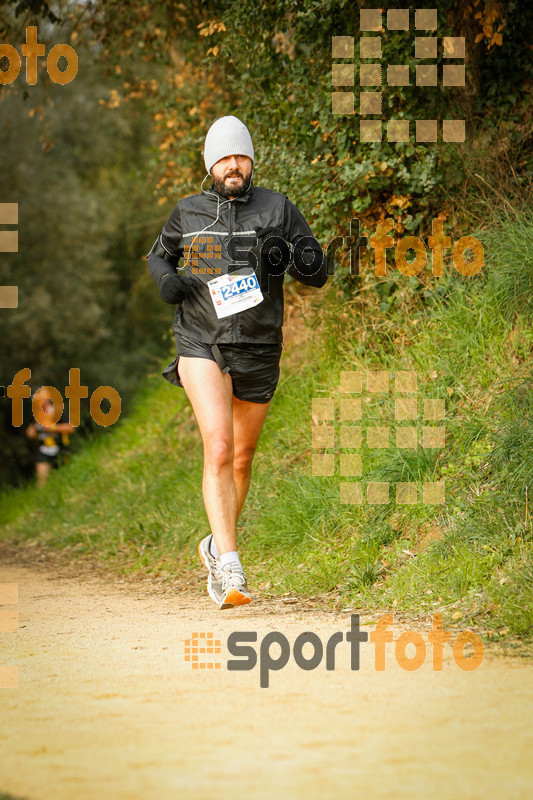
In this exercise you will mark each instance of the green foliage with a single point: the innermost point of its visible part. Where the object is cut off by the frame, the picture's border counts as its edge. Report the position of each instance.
(35, 8)
(510, 284)
(86, 176)
(469, 559)
(511, 458)
(276, 68)
(75, 168)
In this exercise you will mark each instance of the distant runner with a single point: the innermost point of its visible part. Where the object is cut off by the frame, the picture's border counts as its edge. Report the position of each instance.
(51, 442)
(237, 241)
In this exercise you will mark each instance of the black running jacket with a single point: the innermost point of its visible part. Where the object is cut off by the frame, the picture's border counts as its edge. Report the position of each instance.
(200, 229)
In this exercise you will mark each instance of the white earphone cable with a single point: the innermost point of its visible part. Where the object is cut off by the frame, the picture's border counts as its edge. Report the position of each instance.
(219, 206)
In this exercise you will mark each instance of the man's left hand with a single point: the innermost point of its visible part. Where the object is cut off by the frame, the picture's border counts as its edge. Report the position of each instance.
(272, 253)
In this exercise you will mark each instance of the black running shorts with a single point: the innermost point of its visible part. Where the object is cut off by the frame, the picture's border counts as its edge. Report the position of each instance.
(254, 368)
(42, 458)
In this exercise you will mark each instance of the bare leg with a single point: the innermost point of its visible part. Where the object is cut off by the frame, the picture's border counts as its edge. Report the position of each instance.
(248, 421)
(210, 393)
(230, 430)
(42, 470)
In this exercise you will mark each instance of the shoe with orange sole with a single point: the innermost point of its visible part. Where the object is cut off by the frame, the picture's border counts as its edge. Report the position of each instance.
(234, 588)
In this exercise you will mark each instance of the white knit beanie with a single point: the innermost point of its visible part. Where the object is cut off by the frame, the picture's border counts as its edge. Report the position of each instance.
(227, 136)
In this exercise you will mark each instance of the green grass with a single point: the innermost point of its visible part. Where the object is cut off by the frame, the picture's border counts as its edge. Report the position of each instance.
(132, 496)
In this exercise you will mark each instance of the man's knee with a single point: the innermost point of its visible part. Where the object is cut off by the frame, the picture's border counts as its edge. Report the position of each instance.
(242, 461)
(218, 452)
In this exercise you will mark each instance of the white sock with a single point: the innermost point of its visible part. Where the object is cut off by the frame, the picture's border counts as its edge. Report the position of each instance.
(213, 549)
(233, 559)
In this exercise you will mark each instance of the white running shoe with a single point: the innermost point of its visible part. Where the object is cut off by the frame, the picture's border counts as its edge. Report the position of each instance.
(234, 588)
(212, 564)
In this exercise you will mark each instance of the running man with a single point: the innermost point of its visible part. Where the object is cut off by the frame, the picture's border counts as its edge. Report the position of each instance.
(51, 442)
(237, 241)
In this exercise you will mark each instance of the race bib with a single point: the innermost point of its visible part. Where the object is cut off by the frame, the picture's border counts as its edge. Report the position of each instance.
(234, 292)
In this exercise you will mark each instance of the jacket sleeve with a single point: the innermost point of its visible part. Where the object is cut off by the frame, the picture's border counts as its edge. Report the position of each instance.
(310, 264)
(167, 249)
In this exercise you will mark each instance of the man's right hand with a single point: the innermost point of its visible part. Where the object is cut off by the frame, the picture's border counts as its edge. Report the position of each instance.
(175, 288)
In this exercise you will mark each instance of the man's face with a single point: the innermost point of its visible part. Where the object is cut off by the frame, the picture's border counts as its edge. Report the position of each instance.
(232, 175)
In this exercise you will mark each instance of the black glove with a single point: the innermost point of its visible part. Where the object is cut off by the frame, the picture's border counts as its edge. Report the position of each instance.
(272, 254)
(174, 288)
(309, 261)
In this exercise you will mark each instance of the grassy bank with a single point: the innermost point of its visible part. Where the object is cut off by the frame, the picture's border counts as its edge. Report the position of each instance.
(132, 496)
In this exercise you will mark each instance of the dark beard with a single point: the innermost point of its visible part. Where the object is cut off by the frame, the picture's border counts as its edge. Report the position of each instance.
(221, 188)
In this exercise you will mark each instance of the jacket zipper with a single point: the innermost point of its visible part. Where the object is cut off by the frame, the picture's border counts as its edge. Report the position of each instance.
(230, 234)
(231, 213)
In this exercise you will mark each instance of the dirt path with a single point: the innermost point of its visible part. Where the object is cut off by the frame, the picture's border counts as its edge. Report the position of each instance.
(107, 708)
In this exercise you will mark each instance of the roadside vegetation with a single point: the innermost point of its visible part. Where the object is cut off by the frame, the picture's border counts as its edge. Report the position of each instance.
(132, 497)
